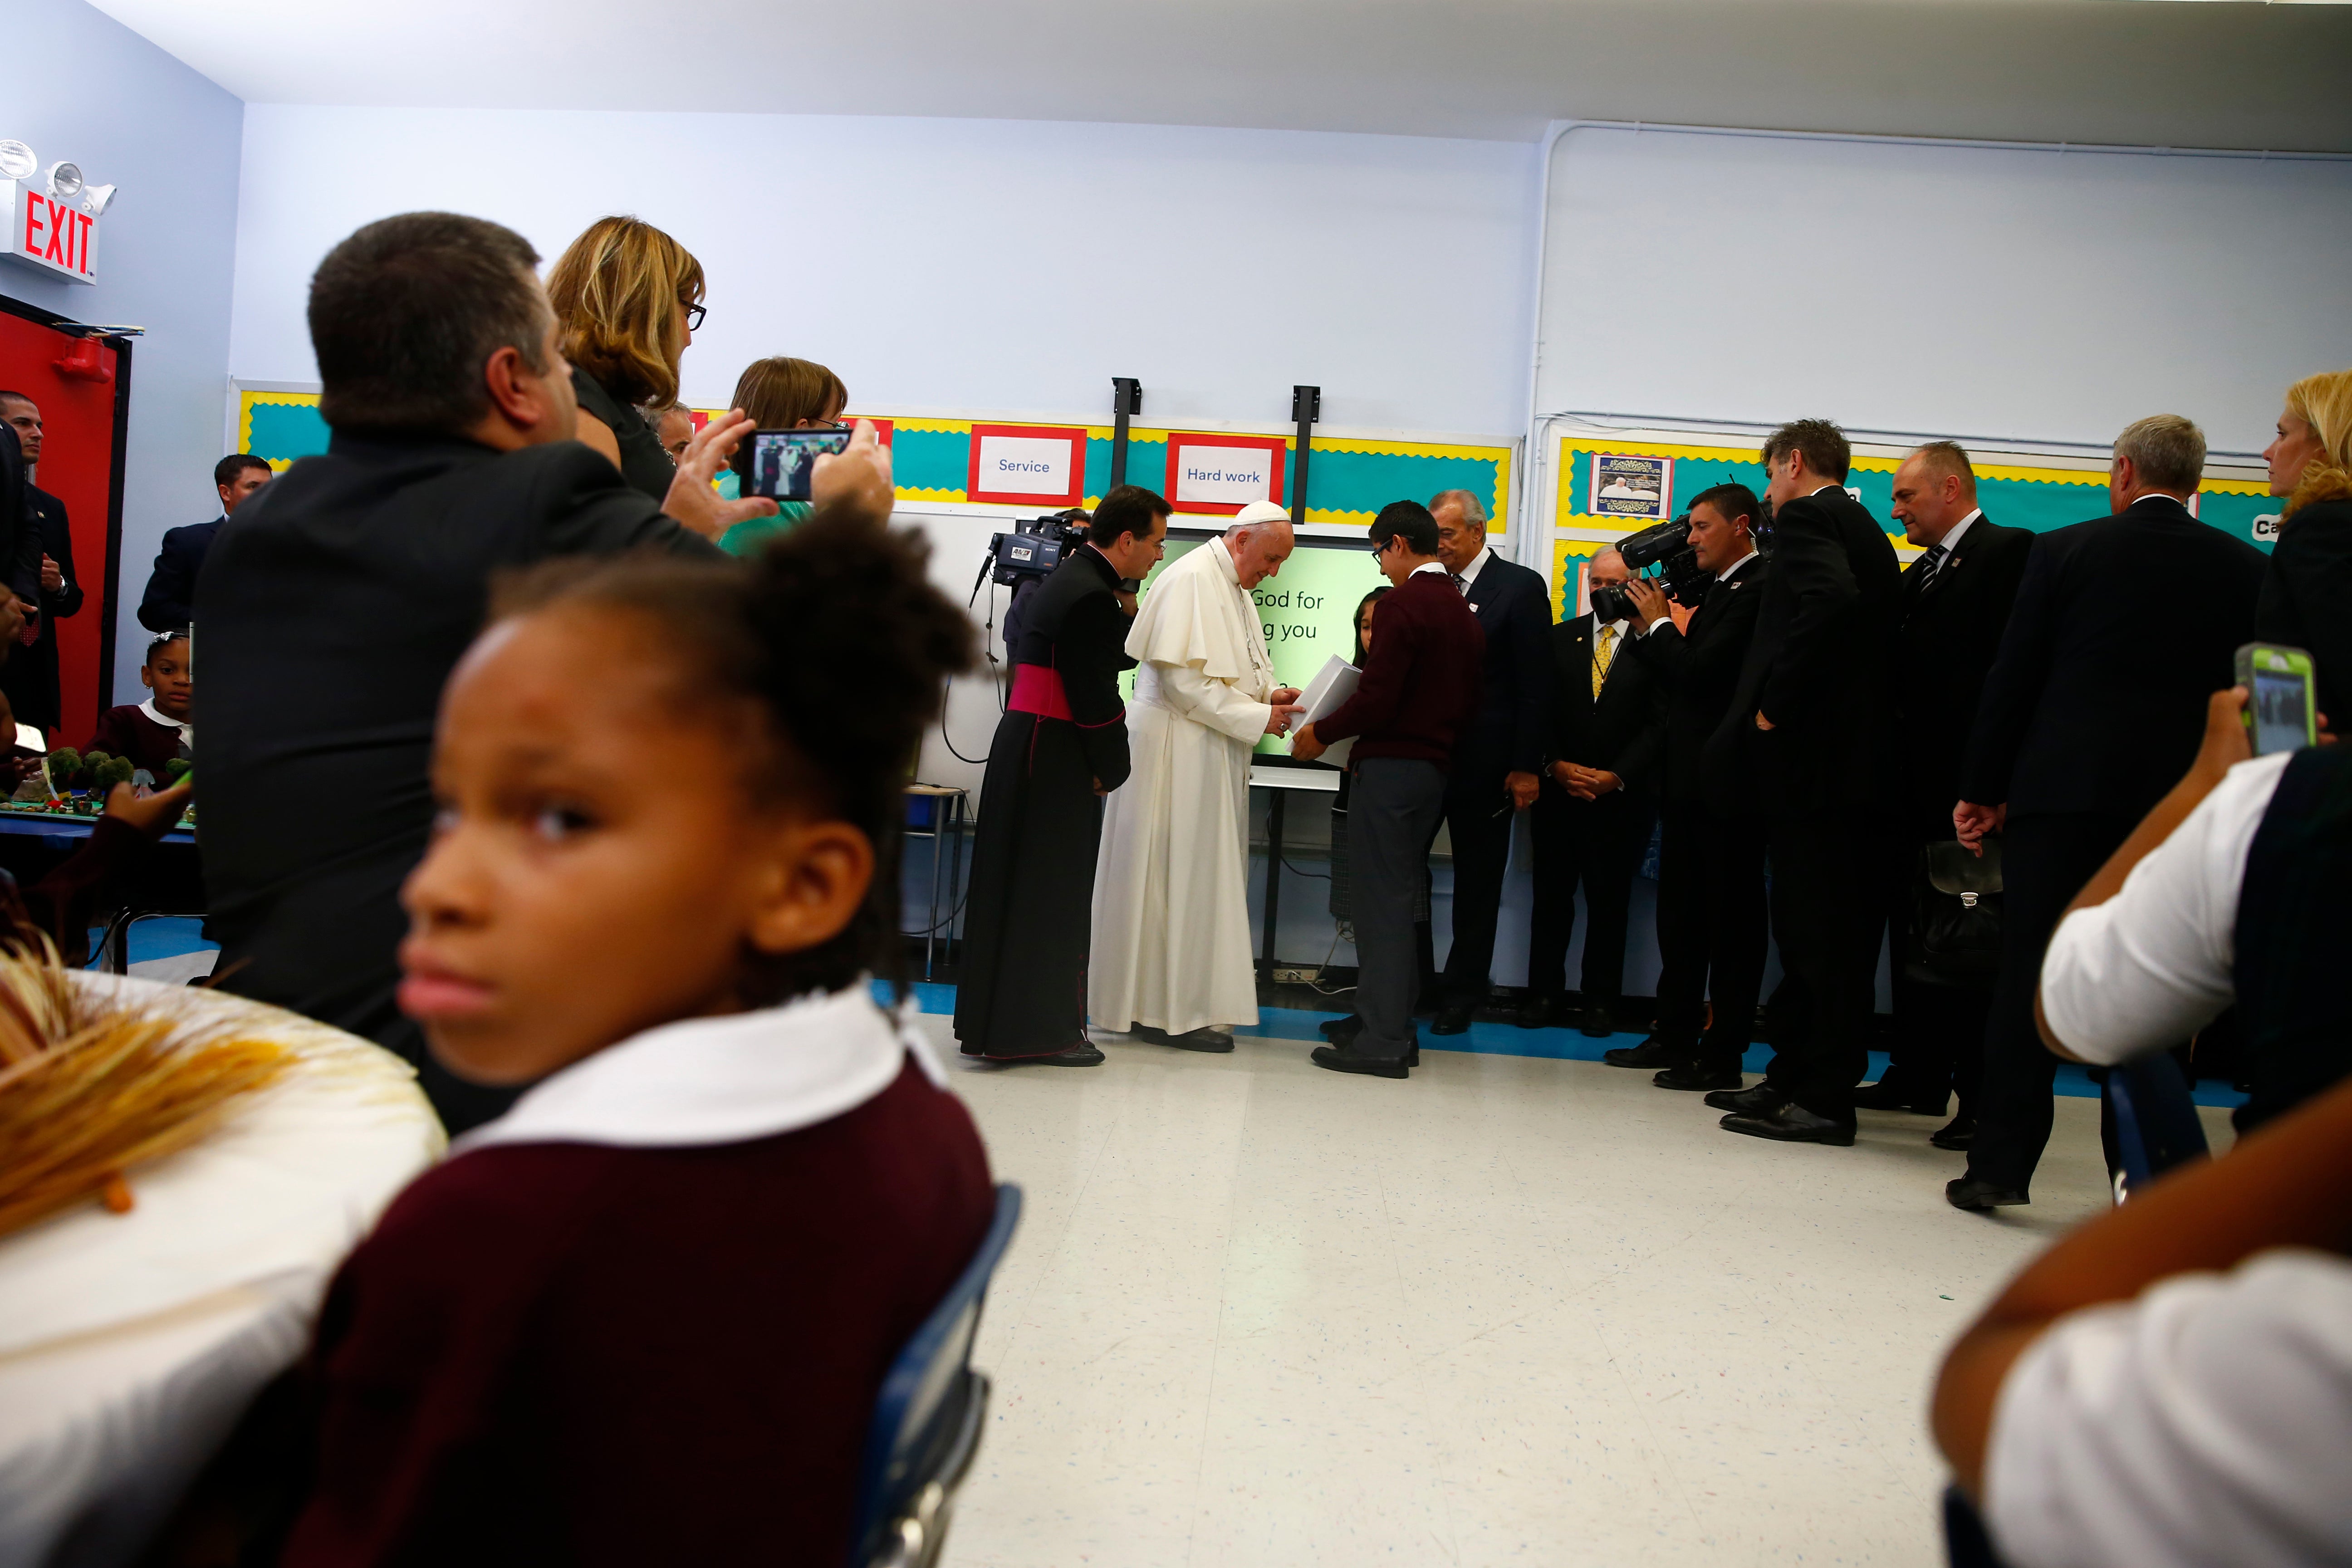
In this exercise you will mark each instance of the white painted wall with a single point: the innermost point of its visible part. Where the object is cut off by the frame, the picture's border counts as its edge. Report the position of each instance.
(1944, 289)
(989, 265)
(81, 86)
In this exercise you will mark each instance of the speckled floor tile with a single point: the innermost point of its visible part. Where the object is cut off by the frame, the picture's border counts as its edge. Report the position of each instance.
(1514, 1310)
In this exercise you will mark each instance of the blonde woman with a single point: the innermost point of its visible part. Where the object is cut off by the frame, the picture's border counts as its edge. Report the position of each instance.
(628, 298)
(781, 394)
(2307, 590)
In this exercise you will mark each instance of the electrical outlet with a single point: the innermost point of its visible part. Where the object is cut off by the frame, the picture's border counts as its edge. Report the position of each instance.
(1295, 976)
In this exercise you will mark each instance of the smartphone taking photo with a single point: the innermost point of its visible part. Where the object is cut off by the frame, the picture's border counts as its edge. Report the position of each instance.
(2282, 709)
(785, 461)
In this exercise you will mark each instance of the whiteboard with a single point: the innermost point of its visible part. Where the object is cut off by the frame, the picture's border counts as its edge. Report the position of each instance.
(2040, 296)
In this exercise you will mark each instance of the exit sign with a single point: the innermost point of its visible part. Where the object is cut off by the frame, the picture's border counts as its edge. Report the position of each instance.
(51, 235)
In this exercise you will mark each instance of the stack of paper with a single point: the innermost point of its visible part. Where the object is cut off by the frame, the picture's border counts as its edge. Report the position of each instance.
(1332, 685)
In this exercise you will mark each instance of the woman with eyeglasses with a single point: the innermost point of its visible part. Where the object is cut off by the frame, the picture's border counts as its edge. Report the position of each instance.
(779, 394)
(627, 300)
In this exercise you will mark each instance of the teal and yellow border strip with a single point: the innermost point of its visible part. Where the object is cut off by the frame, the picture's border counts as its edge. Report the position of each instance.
(1348, 479)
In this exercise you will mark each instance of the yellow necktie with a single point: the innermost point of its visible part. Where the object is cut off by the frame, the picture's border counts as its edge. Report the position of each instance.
(1602, 651)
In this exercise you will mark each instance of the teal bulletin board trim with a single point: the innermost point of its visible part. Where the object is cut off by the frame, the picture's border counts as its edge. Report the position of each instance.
(1348, 481)
(2019, 495)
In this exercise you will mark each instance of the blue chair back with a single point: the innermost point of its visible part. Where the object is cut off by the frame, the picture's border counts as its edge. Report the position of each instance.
(2156, 1120)
(927, 1422)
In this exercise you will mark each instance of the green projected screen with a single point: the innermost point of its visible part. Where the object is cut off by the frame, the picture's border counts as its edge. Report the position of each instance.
(1308, 609)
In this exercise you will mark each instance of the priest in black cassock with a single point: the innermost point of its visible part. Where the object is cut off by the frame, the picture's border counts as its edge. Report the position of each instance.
(1059, 748)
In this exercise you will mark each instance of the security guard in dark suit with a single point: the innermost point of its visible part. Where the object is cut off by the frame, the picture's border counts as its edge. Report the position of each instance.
(1593, 818)
(1956, 594)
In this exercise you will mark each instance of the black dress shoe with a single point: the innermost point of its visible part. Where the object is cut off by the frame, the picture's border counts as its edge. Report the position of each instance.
(1081, 1054)
(1537, 1012)
(1339, 1059)
(1755, 1100)
(1698, 1078)
(1597, 1024)
(1203, 1039)
(1452, 1019)
(1650, 1053)
(1342, 1029)
(1792, 1123)
(1976, 1196)
(1957, 1133)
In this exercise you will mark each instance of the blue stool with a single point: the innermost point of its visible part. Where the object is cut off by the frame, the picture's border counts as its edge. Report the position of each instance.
(927, 1424)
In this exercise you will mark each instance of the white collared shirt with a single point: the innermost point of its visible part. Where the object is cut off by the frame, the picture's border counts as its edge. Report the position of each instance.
(1951, 539)
(1469, 573)
(1437, 566)
(721, 1080)
(187, 732)
(2158, 960)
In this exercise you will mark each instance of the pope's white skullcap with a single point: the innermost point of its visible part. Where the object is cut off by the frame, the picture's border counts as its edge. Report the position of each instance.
(1261, 511)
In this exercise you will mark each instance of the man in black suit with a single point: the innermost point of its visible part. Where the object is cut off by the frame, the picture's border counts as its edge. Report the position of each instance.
(1711, 934)
(1496, 768)
(1592, 820)
(336, 602)
(1811, 724)
(169, 601)
(30, 678)
(1957, 596)
(2124, 628)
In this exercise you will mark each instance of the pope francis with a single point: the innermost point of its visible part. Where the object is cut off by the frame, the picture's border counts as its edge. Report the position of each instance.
(1171, 954)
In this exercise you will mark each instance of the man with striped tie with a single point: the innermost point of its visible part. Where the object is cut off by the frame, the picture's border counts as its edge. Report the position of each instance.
(1592, 819)
(1956, 598)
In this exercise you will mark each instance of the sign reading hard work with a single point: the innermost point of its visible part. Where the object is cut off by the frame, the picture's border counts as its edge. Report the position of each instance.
(1028, 465)
(1633, 488)
(50, 234)
(1220, 475)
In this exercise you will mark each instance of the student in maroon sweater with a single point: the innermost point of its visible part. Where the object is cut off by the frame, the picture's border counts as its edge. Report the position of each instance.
(1420, 689)
(153, 732)
(644, 1317)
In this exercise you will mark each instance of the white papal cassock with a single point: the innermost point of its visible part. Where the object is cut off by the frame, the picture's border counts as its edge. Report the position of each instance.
(1171, 945)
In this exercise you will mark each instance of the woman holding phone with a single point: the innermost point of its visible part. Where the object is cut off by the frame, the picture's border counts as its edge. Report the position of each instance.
(628, 298)
(2307, 599)
(779, 394)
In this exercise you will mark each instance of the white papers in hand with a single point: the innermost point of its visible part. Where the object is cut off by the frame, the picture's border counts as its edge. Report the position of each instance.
(1332, 685)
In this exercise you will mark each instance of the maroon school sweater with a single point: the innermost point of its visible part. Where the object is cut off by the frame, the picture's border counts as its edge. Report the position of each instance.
(1421, 684)
(580, 1353)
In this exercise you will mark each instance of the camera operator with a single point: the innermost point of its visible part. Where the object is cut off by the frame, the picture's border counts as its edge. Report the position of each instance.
(1952, 621)
(1711, 919)
(1592, 819)
(1812, 724)
(2123, 629)
(1059, 748)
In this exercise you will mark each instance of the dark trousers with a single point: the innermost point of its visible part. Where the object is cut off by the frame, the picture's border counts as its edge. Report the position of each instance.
(1829, 915)
(1597, 843)
(1393, 811)
(1478, 819)
(2044, 861)
(1938, 1045)
(1712, 935)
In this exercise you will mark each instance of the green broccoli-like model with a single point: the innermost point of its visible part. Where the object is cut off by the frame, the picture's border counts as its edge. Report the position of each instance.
(111, 772)
(176, 769)
(64, 763)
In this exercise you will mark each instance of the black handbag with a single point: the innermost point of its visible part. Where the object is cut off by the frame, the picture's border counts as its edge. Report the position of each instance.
(1955, 915)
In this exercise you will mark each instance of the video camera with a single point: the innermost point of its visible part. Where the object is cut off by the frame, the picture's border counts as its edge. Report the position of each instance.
(1035, 546)
(1665, 545)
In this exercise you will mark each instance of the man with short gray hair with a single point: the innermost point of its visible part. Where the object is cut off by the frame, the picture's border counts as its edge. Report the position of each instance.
(2124, 628)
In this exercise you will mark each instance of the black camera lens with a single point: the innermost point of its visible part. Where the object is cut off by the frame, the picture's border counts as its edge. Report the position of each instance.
(1611, 603)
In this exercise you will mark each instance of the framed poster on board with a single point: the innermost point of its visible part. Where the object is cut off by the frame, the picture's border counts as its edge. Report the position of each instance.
(1217, 476)
(1027, 465)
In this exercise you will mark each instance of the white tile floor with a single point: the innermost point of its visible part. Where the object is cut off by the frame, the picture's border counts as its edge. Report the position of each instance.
(1514, 1309)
